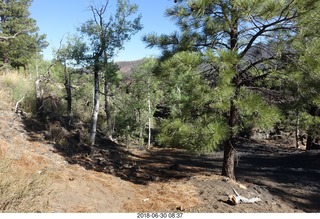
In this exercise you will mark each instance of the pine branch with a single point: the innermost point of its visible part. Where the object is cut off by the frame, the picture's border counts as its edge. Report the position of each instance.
(264, 28)
(274, 96)
(253, 79)
(6, 38)
(253, 64)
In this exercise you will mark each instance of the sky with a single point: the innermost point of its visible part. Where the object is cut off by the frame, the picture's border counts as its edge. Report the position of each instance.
(58, 18)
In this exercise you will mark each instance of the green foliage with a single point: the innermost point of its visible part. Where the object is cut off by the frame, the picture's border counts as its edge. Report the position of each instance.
(194, 124)
(186, 87)
(72, 53)
(82, 95)
(110, 33)
(256, 112)
(126, 118)
(198, 112)
(133, 111)
(19, 40)
(241, 45)
(201, 135)
(303, 77)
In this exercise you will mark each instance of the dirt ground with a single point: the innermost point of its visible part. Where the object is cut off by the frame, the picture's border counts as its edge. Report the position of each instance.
(114, 178)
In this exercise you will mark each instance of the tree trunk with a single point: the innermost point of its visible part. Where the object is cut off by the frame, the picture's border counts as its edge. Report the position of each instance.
(149, 123)
(142, 127)
(149, 115)
(67, 85)
(95, 111)
(107, 109)
(309, 142)
(25, 70)
(297, 131)
(229, 145)
(69, 97)
(141, 139)
(228, 159)
(39, 98)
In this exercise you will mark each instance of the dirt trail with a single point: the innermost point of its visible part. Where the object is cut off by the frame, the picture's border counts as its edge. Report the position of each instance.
(165, 180)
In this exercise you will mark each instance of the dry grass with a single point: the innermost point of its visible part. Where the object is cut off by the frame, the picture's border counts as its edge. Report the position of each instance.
(24, 186)
(21, 191)
(170, 195)
(15, 87)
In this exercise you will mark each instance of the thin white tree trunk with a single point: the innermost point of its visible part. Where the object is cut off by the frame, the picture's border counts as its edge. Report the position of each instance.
(95, 109)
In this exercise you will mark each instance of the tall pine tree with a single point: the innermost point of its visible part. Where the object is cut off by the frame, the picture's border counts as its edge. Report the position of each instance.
(19, 40)
(243, 42)
(304, 78)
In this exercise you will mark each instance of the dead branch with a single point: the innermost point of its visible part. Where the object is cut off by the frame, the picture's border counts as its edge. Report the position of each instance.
(6, 38)
(238, 199)
(17, 104)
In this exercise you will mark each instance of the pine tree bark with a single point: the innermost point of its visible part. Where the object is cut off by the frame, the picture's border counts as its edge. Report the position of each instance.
(229, 145)
(228, 159)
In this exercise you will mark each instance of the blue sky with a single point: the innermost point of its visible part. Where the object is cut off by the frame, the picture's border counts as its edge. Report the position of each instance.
(58, 18)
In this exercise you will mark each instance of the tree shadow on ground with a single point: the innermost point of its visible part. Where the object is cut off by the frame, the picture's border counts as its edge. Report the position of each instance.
(142, 166)
(134, 164)
(291, 174)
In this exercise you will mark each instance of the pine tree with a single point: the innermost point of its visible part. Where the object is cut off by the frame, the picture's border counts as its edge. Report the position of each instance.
(244, 43)
(304, 78)
(193, 123)
(19, 41)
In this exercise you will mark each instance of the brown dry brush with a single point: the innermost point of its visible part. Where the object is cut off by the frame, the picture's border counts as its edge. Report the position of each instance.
(20, 192)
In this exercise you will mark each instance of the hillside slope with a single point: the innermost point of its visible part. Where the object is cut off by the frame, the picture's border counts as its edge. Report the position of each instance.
(162, 180)
(72, 187)
(126, 67)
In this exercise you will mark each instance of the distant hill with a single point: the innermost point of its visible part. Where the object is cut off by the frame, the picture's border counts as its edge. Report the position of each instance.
(126, 67)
